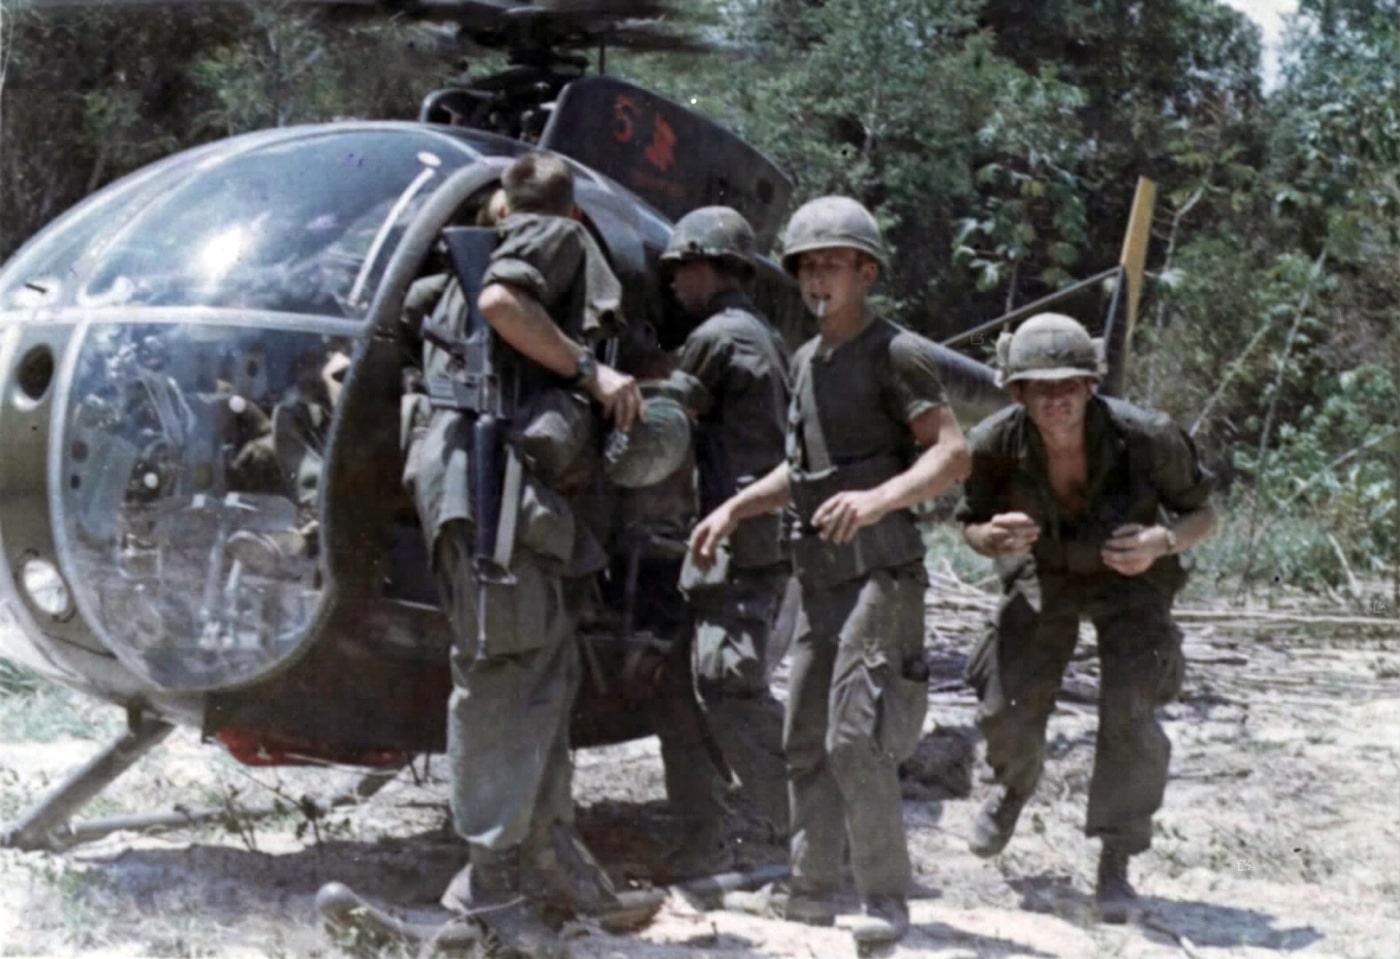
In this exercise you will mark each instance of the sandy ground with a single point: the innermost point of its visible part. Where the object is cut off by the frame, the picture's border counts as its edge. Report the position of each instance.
(1280, 835)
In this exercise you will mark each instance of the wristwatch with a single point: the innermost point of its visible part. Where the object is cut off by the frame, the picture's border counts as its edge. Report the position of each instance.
(1171, 540)
(587, 370)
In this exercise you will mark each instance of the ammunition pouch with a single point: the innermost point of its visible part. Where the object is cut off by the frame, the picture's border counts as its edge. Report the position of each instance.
(558, 435)
(893, 541)
(414, 413)
(547, 525)
(758, 541)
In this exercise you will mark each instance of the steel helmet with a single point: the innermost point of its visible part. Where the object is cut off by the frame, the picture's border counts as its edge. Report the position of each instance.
(832, 221)
(1048, 346)
(652, 449)
(712, 232)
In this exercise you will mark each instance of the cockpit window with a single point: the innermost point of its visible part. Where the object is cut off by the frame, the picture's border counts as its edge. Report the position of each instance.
(188, 494)
(300, 224)
(287, 228)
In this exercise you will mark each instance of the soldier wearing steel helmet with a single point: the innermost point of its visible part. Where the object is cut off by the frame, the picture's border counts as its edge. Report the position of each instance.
(869, 434)
(1085, 503)
(742, 365)
(547, 292)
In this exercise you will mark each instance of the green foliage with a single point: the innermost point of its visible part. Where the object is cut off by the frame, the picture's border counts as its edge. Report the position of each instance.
(998, 142)
(273, 75)
(1336, 143)
(1334, 468)
(33, 709)
(93, 94)
(16, 680)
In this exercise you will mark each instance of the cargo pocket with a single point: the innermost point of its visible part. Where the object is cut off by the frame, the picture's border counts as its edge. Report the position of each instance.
(982, 663)
(903, 705)
(1171, 668)
(546, 524)
(520, 616)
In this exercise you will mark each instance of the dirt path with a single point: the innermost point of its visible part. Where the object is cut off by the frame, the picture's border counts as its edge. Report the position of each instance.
(1280, 835)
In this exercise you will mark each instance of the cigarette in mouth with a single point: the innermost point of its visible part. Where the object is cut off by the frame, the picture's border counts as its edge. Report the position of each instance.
(821, 309)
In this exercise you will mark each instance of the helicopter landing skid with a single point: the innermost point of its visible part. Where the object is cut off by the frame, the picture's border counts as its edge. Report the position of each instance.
(43, 826)
(48, 827)
(363, 929)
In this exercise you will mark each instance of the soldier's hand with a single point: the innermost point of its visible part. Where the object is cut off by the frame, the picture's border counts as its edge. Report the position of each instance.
(1132, 550)
(1011, 534)
(619, 395)
(842, 515)
(707, 536)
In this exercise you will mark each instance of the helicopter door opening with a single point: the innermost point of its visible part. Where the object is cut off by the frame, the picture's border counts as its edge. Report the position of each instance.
(408, 577)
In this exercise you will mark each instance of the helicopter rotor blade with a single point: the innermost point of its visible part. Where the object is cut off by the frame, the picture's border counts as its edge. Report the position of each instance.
(645, 25)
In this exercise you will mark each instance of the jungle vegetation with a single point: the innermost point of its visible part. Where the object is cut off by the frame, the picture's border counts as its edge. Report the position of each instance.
(998, 140)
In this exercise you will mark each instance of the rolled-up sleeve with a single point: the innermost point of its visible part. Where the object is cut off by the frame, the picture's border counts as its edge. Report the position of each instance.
(1182, 483)
(537, 254)
(913, 384)
(982, 488)
(556, 261)
(705, 357)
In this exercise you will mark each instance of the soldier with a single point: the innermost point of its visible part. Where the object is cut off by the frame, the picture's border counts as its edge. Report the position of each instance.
(1084, 502)
(547, 293)
(743, 364)
(869, 434)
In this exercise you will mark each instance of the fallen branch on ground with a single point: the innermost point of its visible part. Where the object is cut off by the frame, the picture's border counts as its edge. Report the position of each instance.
(1247, 617)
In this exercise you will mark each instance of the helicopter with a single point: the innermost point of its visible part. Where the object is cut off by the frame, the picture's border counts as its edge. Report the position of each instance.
(201, 516)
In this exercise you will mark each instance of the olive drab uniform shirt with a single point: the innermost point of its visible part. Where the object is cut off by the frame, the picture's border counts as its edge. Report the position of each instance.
(743, 364)
(849, 430)
(1140, 463)
(556, 261)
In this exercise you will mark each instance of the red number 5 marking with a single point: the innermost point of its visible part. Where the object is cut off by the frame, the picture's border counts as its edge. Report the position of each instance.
(623, 112)
(661, 153)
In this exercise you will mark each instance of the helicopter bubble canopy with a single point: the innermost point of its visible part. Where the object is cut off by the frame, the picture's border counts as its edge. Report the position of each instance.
(214, 301)
(295, 221)
(189, 493)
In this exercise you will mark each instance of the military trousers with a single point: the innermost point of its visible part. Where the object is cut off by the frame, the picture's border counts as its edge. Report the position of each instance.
(1018, 666)
(513, 688)
(733, 624)
(852, 718)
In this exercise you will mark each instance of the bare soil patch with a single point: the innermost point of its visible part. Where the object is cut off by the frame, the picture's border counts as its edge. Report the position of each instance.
(1280, 835)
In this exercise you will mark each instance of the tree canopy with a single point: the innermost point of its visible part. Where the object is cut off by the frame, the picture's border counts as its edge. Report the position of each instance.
(998, 141)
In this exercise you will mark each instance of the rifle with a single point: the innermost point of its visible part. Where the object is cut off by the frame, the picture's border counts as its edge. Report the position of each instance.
(485, 387)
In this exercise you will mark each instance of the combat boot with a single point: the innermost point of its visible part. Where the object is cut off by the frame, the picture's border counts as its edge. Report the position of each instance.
(1115, 899)
(575, 884)
(702, 852)
(807, 904)
(810, 904)
(489, 891)
(996, 822)
(555, 859)
(886, 920)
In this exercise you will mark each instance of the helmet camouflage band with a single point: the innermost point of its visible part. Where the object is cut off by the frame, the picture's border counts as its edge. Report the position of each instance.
(1048, 346)
(652, 449)
(832, 221)
(712, 232)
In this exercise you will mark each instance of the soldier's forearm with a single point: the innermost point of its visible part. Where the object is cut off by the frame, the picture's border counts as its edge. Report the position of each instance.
(937, 468)
(520, 320)
(1194, 527)
(764, 496)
